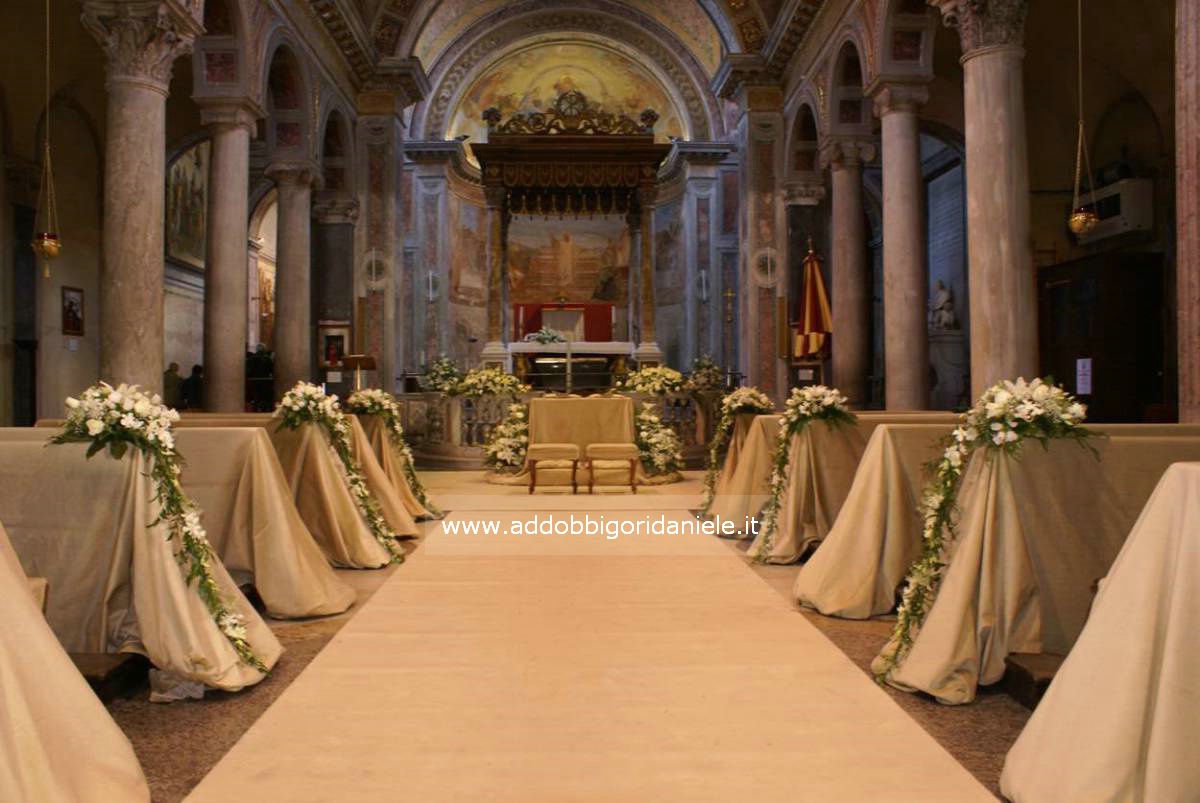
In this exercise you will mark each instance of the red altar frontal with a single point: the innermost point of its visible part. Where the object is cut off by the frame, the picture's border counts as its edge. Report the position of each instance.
(594, 321)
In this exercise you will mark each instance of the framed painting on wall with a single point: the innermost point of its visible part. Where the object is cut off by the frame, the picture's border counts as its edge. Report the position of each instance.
(187, 206)
(334, 341)
(72, 311)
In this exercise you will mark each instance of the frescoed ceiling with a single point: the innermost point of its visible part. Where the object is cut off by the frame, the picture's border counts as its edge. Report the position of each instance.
(685, 18)
(529, 79)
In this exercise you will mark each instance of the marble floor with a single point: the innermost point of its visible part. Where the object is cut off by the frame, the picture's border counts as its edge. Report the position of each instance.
(579, 667)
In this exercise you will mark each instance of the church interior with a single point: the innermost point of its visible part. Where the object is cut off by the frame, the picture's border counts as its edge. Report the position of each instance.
(532, 400)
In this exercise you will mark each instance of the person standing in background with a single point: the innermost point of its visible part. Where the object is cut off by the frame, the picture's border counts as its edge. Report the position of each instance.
(193, 389)
(172, 386)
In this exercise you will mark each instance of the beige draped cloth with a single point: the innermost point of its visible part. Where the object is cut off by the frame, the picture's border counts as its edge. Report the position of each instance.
(1035, 532)
(877, 533)
(746, 490)
(742, 423)
(233, 475)
(57, 743)
(1121, 720)
(88, 527)
(822, 460)
(393, 463)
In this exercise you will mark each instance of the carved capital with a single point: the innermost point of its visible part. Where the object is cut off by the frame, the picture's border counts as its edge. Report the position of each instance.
(295, 174)
(222, 114)
(841, 154)
(897, 97)
(141, 38)
(803, 192)
(985, 23)
(335, 208)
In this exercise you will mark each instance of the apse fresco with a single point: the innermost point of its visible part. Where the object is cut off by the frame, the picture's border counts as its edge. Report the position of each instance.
(531, 79)
(581, 259)
(684, 18)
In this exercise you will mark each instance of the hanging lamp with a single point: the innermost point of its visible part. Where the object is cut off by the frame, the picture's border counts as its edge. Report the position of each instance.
(1083, 218)
(45, 239)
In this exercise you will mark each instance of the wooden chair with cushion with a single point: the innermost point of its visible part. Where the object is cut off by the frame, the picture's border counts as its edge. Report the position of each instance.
(604, 455)
(555, 452)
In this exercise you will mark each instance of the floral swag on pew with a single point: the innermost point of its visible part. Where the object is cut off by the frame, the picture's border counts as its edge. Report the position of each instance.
(121, 417)
(813, 403)
(1006, 415)
(658, 445)
(509, 441)
(742, 400)
(384, 405)
(306, 403)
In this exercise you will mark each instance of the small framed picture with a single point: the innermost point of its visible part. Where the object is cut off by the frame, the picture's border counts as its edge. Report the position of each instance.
(334, 344)
(72, 311)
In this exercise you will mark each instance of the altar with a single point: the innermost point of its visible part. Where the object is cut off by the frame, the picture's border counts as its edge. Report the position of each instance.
(570, 366)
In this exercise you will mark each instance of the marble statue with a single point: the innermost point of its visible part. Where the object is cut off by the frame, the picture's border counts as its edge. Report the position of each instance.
(941, 308)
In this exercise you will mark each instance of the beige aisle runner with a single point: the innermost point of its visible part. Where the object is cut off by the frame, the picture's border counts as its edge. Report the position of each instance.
(576, 668)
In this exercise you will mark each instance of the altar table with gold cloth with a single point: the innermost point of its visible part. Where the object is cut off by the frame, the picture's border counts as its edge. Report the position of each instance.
(1121, 719)
(89, 526)
(57, 743)
(1034, 532)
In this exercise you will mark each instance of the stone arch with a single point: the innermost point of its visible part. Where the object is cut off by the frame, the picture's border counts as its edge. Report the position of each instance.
(904, 33)
(1128, 137)
(286, 90)
(336, 151)
(221, 59)
(849, 109)
(803, 145)
(602, 19)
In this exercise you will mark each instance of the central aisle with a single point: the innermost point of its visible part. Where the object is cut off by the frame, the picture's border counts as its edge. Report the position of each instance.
(575, 668)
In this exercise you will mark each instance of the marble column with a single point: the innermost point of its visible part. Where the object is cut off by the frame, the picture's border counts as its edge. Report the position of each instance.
(225, 276)
(850, 272)
(905, 272)
(1187, 205)
(141, 41)
(647, 352)
(1003, 291)
(494, 353)
(293, 274)
(334, 214)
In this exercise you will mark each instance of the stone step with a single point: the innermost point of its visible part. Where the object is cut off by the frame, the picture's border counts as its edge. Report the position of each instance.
(1028, 675)
(113, 675)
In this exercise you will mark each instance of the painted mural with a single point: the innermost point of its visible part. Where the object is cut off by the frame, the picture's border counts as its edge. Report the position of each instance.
(687, 20)
(187, 206)
(531, 79)
(581, 259)
(468, 254)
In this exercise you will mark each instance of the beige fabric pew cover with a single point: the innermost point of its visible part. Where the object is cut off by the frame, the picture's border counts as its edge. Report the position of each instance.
(747, 488)
(115, 584)
(742, 423)
(822, 462)
(876, 535)
(392, 462)
(1121, 720)
(1035, 532)
(57, 743)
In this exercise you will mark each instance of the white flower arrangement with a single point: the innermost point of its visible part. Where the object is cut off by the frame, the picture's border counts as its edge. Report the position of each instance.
(812, 403)
(124, 416)
(509, 441)
(658, 445)
(655, 381)
(442, 376)
(545, 335)
(490, 382)
(705, 377)
(306, 403)
(384, 405)
(742, 400)
(1006, 415)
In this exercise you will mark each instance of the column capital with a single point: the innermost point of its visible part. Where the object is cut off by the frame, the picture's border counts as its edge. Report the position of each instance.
(335, 208)
(142, 38)
(302, 173)
(803, 192)
(897, 96)
(841, 153)
(224, 113)
(985, 23)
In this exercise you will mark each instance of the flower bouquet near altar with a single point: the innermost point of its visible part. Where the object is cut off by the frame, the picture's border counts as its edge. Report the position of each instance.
(509, 441)
(384, 405)
(705, 377)
(656, 381)
(123, 417)
(306, 403)
(490, 382)
(658, 445)
(442, 376)
(545, 335)
(742, 400)
(1005, 416)
(804, 405)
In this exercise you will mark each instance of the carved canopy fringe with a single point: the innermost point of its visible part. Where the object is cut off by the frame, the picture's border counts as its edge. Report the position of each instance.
(570, 114)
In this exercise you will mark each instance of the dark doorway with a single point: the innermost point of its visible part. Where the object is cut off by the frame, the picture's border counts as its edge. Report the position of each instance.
(25, 279)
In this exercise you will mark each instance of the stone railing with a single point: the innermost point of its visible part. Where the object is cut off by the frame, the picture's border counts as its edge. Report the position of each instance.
(450, 431)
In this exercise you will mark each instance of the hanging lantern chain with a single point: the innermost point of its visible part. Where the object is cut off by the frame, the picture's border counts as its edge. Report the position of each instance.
(45, 239)
(1083, 218)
